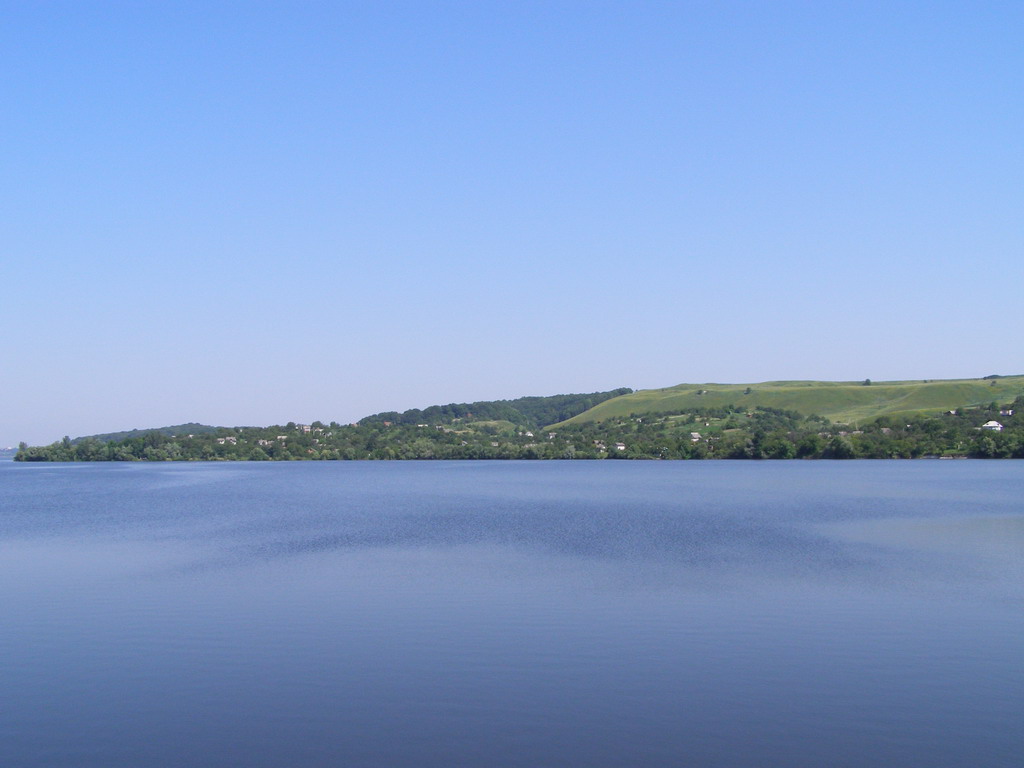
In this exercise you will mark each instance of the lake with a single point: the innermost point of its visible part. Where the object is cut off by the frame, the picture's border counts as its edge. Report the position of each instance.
(605, 613)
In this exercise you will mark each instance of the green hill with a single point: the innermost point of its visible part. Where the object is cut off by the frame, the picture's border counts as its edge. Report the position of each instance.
(178, 429)
(524, 411)
(840, 401)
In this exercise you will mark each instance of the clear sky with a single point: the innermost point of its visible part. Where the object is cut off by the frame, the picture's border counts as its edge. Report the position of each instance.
(254, 213)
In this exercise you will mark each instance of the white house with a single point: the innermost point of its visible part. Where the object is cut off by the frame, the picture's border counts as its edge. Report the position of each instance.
(995, 426)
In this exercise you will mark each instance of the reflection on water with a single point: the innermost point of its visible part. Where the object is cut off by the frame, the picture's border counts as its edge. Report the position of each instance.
(612, 613)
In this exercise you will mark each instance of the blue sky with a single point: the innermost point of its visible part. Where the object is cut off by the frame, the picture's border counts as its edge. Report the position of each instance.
(253, 213)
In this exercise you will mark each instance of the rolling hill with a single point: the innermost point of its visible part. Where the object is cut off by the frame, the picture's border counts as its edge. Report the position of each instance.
(840, 401)
(524, 411)
(178, 429)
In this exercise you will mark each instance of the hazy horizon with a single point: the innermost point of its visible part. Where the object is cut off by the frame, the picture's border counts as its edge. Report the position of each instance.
(259, 213)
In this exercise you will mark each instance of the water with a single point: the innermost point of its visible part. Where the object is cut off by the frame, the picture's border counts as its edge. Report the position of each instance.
(512, 614)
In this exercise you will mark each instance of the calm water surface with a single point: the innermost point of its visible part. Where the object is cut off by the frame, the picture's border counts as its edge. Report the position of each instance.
(512, 614)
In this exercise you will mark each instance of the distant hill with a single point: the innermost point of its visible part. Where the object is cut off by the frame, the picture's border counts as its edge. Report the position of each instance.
(981, 418)
(527, 412)
(843, 402)
(178, 429)
(840, 401)
(524, 411)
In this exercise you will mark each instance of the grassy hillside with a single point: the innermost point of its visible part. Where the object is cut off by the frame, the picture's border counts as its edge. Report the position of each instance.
(840, 401)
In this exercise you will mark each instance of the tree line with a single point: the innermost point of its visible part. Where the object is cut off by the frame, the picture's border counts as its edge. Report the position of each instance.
(729, 432)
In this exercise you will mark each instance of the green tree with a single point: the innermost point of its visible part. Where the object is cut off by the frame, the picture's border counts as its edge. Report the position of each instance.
(840, 447)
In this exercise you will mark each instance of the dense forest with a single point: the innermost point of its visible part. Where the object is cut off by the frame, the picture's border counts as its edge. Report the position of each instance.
(508, 430)
(529, 412)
